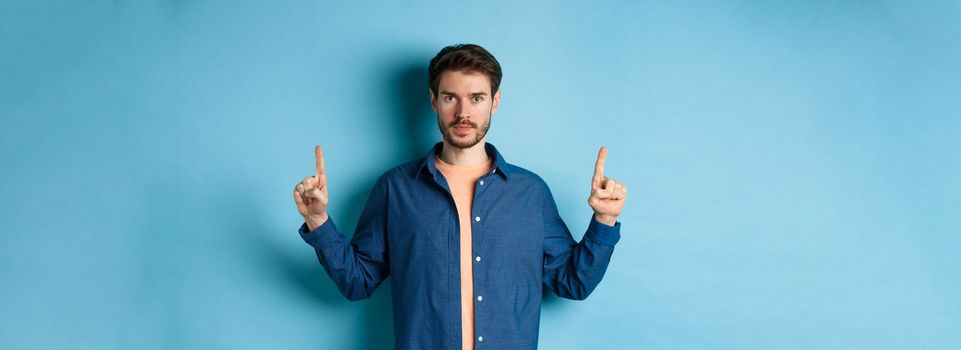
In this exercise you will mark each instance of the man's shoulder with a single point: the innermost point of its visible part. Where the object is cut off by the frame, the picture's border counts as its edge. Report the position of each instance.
(405, 171)
(523, 177)
(522, 173)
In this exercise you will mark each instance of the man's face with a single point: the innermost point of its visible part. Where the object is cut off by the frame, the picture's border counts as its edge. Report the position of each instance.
(464, 107)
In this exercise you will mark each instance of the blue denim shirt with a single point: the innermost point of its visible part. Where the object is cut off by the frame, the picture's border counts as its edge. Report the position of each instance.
(409, 230)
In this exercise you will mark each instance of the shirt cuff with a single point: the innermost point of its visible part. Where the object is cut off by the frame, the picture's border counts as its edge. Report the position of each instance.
(321, 236)
(602, 233)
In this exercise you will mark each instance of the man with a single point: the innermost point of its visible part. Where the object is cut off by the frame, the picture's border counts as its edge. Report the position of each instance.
(468, 238)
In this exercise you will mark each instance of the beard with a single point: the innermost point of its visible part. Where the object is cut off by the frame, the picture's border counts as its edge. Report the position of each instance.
(470, 141)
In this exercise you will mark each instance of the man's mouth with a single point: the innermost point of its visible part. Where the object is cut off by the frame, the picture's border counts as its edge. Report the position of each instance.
(463, 126)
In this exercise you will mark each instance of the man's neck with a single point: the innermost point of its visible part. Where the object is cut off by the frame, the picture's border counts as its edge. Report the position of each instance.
(474, 156)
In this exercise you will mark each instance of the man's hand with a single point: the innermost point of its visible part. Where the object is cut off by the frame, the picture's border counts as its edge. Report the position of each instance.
(311, 194)
(607, 195)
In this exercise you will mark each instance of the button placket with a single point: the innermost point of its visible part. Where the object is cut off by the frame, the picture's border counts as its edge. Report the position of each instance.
(477, 258)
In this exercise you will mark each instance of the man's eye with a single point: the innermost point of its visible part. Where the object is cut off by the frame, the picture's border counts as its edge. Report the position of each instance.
(449, 98)
(478, 99)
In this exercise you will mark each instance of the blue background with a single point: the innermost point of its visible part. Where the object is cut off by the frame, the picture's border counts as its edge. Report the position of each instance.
(794, 169)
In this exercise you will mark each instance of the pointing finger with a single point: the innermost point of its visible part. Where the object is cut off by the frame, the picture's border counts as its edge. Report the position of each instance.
(319, 157)
(599, 167)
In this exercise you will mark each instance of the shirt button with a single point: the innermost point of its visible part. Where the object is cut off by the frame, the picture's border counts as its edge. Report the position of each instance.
(480, 338)
(480, 298)
(477, 218)
(478, 258)
(482, 182)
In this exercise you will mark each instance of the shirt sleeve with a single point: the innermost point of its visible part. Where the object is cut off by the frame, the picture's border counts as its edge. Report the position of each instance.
(360, 265)
(573, 269)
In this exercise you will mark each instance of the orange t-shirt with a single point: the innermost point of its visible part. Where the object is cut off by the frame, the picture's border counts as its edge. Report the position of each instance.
(462, 181)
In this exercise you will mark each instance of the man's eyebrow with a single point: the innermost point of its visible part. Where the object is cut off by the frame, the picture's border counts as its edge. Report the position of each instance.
(444, 92)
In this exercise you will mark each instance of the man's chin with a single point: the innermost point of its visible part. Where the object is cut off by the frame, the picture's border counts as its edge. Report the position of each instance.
(462, 143)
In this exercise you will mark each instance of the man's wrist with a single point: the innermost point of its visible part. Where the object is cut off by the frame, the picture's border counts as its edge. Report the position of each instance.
(609, 220)
(313, 222)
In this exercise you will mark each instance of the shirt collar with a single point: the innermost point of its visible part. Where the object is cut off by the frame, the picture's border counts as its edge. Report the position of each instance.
(500, 165)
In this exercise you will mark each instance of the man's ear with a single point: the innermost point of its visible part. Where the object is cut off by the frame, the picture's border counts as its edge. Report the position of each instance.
(496, 102)
(433, 101)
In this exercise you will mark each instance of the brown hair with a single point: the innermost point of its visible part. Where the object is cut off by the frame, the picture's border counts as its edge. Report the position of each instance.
(467, 58)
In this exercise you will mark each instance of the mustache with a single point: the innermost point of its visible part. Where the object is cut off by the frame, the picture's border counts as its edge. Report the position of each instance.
(462, 121)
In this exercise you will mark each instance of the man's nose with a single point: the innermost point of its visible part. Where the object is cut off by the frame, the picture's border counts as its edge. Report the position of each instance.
(461, 109)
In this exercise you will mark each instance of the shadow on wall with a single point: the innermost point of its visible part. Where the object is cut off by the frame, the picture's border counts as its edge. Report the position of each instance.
(416, 127)
(297, 271)
(415, 132)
